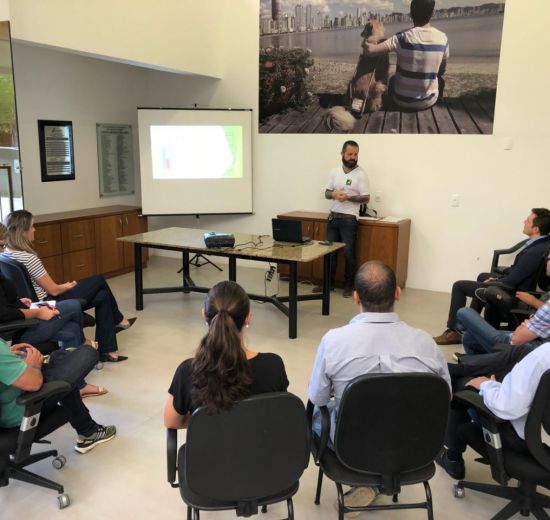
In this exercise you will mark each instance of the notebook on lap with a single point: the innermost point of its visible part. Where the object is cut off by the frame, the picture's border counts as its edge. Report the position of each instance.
(288, 231)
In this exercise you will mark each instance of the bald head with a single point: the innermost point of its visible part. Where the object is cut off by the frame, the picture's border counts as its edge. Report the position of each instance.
(376, 286)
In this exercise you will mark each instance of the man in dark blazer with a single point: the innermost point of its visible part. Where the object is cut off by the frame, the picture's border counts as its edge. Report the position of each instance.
(519, 276)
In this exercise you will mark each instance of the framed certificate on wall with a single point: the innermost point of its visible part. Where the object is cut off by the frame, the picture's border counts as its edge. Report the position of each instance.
(115, 159)
(56, 150)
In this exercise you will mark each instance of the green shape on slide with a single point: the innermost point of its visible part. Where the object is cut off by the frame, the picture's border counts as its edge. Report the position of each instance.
(234, 138)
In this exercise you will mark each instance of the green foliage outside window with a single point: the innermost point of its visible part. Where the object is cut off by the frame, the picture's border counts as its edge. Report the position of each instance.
(8, 124)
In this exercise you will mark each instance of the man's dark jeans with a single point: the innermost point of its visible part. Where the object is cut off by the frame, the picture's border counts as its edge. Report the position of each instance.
(461, 290)
(72, 367)
(343, 230)
(459, 424)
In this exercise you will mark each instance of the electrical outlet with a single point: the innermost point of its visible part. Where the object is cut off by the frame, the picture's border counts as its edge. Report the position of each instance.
(455, 200)
(377, 196)
(270, 273)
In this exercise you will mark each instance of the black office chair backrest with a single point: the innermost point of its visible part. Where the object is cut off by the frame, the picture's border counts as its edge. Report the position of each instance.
(391, 423)
(258, 448)
(538, 419)
(17, 273)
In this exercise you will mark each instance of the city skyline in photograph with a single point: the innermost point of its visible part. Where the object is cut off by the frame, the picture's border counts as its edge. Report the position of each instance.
(336, 8)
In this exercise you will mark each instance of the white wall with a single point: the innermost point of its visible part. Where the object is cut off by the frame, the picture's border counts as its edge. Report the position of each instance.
(417, 174)
(127, 31)
(57, 85)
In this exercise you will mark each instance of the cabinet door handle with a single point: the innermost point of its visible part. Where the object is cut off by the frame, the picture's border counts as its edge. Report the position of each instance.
(80, 235)
(126, 220)
(42, 242)
(80, 266)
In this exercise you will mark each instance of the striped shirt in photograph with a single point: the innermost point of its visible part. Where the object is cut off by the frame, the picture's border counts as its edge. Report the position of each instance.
(420, 52)
(34, 266)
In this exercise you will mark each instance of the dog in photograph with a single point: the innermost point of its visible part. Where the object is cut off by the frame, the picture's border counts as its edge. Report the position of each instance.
(367, 86)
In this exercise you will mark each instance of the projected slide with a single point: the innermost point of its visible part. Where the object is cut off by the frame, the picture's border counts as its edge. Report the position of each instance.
(197, 152)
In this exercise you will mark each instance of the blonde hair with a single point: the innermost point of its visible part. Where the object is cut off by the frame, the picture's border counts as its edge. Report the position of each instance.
(18, 222)
(3, 232)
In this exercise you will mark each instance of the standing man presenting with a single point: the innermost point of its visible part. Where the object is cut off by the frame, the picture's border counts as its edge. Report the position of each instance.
(348, 188)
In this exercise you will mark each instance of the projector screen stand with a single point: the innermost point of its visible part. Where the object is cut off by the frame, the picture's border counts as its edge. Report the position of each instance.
(199, 261)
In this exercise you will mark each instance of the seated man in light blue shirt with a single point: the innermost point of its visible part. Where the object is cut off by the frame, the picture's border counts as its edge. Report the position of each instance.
(375, 341)
(510, 400)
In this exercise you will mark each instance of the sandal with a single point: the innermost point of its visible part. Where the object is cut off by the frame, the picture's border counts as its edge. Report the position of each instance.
(120, 328)
(106, 358)
(100, 391)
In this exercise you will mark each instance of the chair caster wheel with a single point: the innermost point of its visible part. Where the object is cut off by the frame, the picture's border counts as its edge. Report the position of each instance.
(59, 462)
(459, 491)
(99, 365)
(63, 501)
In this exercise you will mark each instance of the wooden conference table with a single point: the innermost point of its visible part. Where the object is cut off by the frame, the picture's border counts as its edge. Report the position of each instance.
(249, 247)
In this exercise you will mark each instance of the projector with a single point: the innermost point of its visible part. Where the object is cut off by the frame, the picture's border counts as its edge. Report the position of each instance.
(214, 239)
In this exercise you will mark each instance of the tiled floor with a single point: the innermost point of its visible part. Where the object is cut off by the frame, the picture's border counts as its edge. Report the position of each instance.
(126, 478)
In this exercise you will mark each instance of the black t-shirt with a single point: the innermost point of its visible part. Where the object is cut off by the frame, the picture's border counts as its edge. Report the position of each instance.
(268, 375)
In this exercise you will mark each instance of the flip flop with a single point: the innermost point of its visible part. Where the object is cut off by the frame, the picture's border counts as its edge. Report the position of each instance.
(100, 391)
(108, 359)
(120, 328)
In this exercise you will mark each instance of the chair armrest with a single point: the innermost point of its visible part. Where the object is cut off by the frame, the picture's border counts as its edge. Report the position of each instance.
(325, 430)
(498, 252)
(8, 328)
(491, 433)
(504, 286)
(474, 400)
(48, 390)
(172, 455)
(33, 401)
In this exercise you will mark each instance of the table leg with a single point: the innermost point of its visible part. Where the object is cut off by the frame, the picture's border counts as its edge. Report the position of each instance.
(326, 284)
(232, 269)
(185, 269)
(292, 300)
(138, 273)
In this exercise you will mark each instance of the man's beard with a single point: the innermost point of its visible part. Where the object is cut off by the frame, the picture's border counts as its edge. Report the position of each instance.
(351, 163)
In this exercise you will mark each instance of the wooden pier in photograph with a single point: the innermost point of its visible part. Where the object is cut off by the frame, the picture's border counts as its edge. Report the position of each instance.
(464, 115)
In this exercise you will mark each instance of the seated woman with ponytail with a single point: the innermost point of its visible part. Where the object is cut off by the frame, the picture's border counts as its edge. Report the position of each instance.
(223, 370)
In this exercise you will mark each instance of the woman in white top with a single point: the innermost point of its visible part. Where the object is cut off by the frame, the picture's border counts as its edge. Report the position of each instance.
(94, 290)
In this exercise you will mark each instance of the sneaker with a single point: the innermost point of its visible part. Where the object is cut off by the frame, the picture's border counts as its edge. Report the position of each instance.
(357, 497)
(454, 468)
(348, 292)
(85, 443)
(457, 356)
(449, 337)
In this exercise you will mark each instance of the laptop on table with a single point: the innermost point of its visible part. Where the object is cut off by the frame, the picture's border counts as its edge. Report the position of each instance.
(288, 231)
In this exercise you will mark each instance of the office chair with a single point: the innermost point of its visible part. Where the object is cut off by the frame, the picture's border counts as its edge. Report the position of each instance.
(389, 430)
(530, 469)
(18, 275)
(10, 328)
(497, 253)
(16, 443)
(12, 331)
(503, 307)
(248, 457)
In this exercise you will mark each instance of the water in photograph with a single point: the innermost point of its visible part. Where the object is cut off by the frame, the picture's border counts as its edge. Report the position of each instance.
(476, 38)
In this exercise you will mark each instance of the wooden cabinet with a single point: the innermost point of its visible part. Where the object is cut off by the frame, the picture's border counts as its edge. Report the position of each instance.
(376, 240)
(114, 256)
(76, 244)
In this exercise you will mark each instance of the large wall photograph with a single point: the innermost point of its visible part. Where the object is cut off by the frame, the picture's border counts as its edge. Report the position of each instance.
(366, 66)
